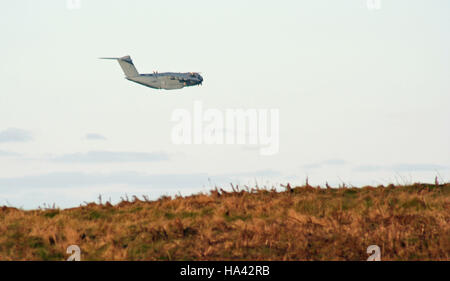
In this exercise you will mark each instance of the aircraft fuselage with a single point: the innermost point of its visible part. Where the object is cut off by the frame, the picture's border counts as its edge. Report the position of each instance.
(168, 80)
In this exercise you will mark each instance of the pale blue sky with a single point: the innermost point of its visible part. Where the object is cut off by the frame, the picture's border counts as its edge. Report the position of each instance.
(363, 94)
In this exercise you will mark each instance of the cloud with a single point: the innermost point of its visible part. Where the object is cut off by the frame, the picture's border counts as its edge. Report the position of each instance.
(259, 173)
(111, 156)
(329, 162)
(334, 162)
(8, 154)
(401, 168)
(15, 135)
(71, 179)
(94, 136)
(417, 167)
(159, 181)
(368, 168)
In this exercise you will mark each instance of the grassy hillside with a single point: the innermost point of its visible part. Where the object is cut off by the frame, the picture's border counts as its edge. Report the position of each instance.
(302, 223)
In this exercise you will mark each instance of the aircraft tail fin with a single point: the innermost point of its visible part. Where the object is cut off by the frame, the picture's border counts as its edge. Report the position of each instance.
(127, 66)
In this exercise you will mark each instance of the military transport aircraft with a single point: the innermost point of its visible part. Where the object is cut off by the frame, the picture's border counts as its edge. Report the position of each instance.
(166, 80)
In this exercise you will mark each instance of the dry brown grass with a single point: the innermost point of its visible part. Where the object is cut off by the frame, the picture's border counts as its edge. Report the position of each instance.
(302, 223)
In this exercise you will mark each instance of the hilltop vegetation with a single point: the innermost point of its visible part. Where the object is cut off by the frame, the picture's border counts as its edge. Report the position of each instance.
(301, 223)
